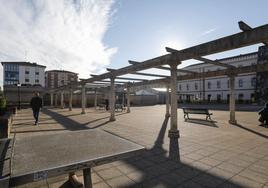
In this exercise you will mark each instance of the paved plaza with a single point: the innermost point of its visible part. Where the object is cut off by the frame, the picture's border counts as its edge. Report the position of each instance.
(212, 154)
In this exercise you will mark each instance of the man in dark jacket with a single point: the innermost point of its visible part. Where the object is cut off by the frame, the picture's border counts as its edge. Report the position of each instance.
(264, 115)
(36, 104)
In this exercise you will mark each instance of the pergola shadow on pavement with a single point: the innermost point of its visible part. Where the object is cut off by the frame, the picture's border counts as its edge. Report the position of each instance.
(158, 170)
(251, 131)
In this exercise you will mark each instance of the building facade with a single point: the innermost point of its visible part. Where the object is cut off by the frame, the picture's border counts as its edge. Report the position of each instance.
(57, 78)
(24, 73)
(216, 89)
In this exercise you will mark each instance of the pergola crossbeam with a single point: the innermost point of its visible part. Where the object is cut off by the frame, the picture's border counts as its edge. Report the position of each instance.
(149, 74)
(245, 27)
(165, 68)
(214, 62)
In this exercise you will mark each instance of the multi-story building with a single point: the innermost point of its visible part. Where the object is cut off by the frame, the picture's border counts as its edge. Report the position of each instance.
(25, 73)
(217, 88)
(57, 78)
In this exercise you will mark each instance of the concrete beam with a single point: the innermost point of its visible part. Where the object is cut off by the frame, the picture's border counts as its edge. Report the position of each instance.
(134, 79)
(245, 27)
(218, 63)
(148, 74)
(165, 68)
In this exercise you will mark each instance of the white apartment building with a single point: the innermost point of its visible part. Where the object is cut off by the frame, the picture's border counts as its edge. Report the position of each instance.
(216, 89)
(24, 73)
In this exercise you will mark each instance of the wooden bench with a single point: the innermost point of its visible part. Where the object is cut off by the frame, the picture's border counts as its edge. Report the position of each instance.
(204, 111)
(119, 107)
(101, 106)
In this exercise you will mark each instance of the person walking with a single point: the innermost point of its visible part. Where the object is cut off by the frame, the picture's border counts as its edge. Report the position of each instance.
(264, 115)
(36, 105)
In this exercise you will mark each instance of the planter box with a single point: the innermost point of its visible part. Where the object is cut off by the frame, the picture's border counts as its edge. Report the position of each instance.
(5, 125)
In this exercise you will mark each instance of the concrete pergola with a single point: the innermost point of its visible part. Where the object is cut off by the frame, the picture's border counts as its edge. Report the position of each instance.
(247, 37)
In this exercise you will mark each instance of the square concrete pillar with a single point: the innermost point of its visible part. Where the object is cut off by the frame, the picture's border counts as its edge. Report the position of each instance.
(51, 99)
(167, 102)
(128, 100)
(173, 133)
(232, 100)
(56, 99)
(112, 100)
(62, 99)
(83, 98)
(71, 100)
(95, 99)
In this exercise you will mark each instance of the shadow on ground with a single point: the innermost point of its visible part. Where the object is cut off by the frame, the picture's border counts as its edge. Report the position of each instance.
(251, 130)
(159, 170)
(202, 122)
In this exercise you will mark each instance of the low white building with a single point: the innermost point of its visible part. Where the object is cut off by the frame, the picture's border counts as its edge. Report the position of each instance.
(216, 89)
(25, 73)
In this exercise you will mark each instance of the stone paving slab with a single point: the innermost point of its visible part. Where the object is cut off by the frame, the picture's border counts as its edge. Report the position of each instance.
(212, 154)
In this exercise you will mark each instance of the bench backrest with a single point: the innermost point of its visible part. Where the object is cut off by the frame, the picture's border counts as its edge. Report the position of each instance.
(195, 110)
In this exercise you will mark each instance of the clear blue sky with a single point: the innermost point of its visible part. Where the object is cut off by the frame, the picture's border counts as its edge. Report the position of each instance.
(87, 36)
(141, 29)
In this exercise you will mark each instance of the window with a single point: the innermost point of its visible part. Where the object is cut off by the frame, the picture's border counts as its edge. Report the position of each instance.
(253, 81)
(218, 97)
(36, 81)
(187, 86)
(180, 87)
(218, 84)
(209, 85)
(26, 80)
(228, 83)
(209, 98)
(196, 86)
(36, 73)
(240, 97)
(240, 83)
(27, 72)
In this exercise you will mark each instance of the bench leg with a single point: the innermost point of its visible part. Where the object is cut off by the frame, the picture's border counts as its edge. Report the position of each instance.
(209, 118)
(87, 178)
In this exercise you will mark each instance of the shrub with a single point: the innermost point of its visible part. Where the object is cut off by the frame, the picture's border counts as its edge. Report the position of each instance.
(3, 105)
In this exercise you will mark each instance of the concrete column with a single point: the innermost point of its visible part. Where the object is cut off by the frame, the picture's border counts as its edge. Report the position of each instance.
(232, 100)
(128, 101)
(95, 99)
(173, 133)
(83, 100)
(123, 99)
(51, 99)
(71, 99)
(62, 99)
(56, 99)
(112, 100)
(167, 103)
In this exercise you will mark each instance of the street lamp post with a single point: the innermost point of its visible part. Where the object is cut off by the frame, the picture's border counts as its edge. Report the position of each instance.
(19, 106)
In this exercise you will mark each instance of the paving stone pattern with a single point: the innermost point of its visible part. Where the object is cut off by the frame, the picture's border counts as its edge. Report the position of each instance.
(212, 154)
